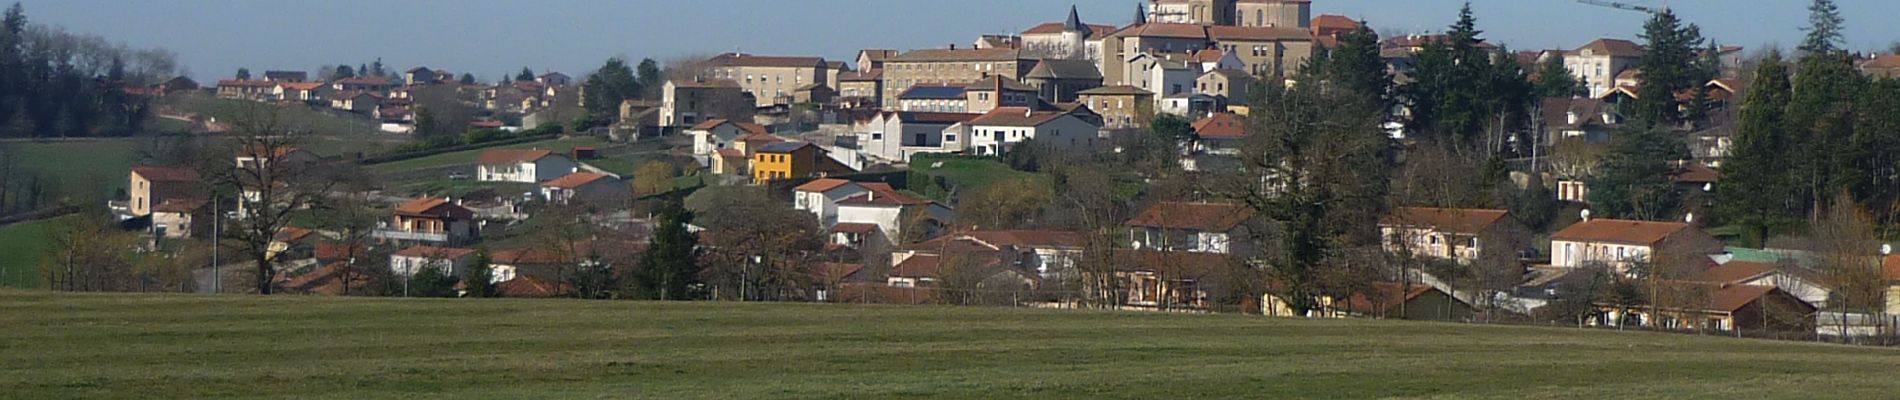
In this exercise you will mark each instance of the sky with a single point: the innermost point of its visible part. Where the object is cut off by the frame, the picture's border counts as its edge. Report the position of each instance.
(489, 38)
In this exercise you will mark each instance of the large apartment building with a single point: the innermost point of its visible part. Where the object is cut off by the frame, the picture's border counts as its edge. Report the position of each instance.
(770, 79)
(952, 66)
(1273, 13)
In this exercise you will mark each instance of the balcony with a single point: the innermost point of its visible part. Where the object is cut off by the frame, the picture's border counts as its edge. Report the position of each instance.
(418, 236)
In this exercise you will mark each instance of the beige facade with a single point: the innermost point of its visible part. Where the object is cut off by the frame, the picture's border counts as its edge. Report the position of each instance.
(1233, 86)
(770, 79)
(950, 67)
(1201, 12)
(1121, 107)
(1273, 13)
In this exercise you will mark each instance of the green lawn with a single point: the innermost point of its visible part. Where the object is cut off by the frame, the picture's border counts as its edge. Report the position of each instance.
(118, 346)
(337, 133)
(468, 156)
(21, 246)
(968, 174)
(83, 171)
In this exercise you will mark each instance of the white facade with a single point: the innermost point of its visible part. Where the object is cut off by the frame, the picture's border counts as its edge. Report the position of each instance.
(409, 265)
(1065, 132)
(1598, 71)
(891, 137)
(888, 218)
(1574, 254)
(824, 204)
(546, 168)
(707, 141)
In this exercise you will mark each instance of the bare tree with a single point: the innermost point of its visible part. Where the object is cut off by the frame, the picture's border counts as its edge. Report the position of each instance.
(1844, 238)
(88, 256)
(352, 213)
(273, 186)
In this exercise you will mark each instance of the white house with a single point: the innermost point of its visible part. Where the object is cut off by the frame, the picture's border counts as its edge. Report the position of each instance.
(586, 187)
(718, 133)
(522, 165)
(1798, 281)
(1190, 227)
(894, 136)
(821, 197)
(994, 133)
(1622, 243)
(1188, 105)
(451, 261)
(880, 213)
(1599, 62)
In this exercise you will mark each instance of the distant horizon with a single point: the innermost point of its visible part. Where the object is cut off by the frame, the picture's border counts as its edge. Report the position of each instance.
(213, 38)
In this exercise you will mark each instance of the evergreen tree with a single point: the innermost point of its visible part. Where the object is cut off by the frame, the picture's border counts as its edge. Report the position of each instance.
(12, 63)
(525, 74)
(1821, 122)
(1355, 65)
(1754, 191)
(479, 281)
(344, 71)
(1450, 93)
(1635, 179)
(1874, 150)
(650, 77)
(1670, 64)
(1554, 79)
(669, 269)
(468, 78)
(608, 86)
(377, 68)
(431, 282)
(244, 74)
(1824, 29)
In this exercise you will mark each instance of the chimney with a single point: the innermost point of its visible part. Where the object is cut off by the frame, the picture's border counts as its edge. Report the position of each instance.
(1571, 116)
(1028, 112)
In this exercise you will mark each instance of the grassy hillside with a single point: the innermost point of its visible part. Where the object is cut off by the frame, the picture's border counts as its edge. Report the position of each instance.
(85, 171)
(96, 346)
(468, 156)
(21, 246)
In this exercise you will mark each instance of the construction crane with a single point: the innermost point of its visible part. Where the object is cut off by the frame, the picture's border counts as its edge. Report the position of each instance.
(1626, 6)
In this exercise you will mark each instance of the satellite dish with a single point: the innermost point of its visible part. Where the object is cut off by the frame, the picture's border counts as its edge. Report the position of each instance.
(1586, 214)
(1708, 187)
(1688, 218)
(1886, 249)
(1136, 244)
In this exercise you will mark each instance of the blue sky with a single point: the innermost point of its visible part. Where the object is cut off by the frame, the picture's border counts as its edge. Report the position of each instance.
(492, 37)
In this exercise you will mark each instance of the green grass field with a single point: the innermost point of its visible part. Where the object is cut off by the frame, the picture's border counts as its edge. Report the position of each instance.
(84, 171)
(968, 174)
(21, 246)
(468, 156)
(116, 346)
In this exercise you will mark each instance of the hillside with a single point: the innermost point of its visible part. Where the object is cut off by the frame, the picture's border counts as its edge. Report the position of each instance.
(83, 346)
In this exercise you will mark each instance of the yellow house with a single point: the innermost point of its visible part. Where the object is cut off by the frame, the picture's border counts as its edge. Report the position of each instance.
(791, 160)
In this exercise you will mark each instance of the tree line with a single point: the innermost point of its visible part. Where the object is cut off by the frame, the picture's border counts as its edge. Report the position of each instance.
(59, 84)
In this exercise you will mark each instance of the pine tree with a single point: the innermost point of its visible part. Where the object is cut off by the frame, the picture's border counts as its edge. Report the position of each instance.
(650, 77)
(1874, 150)
(344, 71)
(1451, 90)
(479, 281)
(1554, 79)
(1635, 179)
(12, 63)
(1754, 190)
(1670, 64)
(669, 268)
(468, 78)
(525, 75)
(1355, 65)
(1821, 122)
(608, 86)
(1824, 28)
(244, 74)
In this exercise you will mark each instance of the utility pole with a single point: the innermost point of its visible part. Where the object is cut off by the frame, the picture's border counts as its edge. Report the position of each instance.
(217, 225)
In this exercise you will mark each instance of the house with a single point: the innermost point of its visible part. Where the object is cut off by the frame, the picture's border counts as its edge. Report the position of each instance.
(253, 90)
(431, 220)
(522, 165)
(881, 215)
(1156, 279)
(545, 271)
(1883, 66)
(291, 243)
(151, 185)
(1070, 39)
(1697, 306)
(1045, 255)
(987, 269)
(554, 79)
(1462, 235)
(1599, 62)
(995, 132)
(770, 79)
(1193, 227)
(821, 196)
(895, 136)
(1227, 85)
(175, 85)
(356, 101)
(328, 280)
(181, 218)
(1384, 300)
(935, 98)
(1621, 243)
(587, 188)
(286, 76)
(1189, 104)
(813, 93)
(450, 261)
(419, 76)
(1121, 107)
(791, 160)
(719, 133)
(866, 85)
(1799, 281)
(952, 66)
(1333, 26)
(1164, 74)
(993, 92)
(362, 83)
(687, 103)
(1216, 145)
(1587, 119)
(1210, 60)
(258, 157)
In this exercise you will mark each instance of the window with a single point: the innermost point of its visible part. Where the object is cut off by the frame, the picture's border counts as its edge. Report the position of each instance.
(877, 135)
(950, 137)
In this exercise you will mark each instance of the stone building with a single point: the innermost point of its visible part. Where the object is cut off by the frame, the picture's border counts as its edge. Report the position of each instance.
(950, 66)
(770, 79)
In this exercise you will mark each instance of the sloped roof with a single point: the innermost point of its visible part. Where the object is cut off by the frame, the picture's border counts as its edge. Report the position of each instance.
(922, 117)
(1221, 126)
(1695, 172)
(1022, 238)
(862, 76)
(429, 206)
(1331, 22)
(821, 185)
(882, 195)
(1735, 272)
(1016, 116)
(433, 252)
(709, 123)
(706, 83)
(1621, 231)
(574, 180)
(1385, 297)
(291, 234)
(749, 60)
(1223, 32)
(1185, 31)
(1116, 90)
(933, 55)
(1064, 69)
(784, 147)
(1211, 217)
(1096, 31)
(1613, 47)
(165, 174)
(512, 156)
(1454, 220)
(996, 82)
(525, 286)
(854, 227)
(179, 205)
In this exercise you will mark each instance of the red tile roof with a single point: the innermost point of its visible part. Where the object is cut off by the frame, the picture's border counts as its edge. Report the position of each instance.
(1015, 116)
(179, 205)
(524, 286)
(1613, 47)
(433, 207)
(1735, 272)
(1385, 298)
(1211, 217)
(749, 60)
(1187, 31)
(1040, 239)
(433, 252)
(1220, 126)
(574, 180)
(1695, 172)
(165, 174)
(1452, 220)
(1098, 31)
(882, 195)
(709, 124)
(1620, 231)
(1220, 32)
(291, 234)
(821, 185)
(512, 156)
